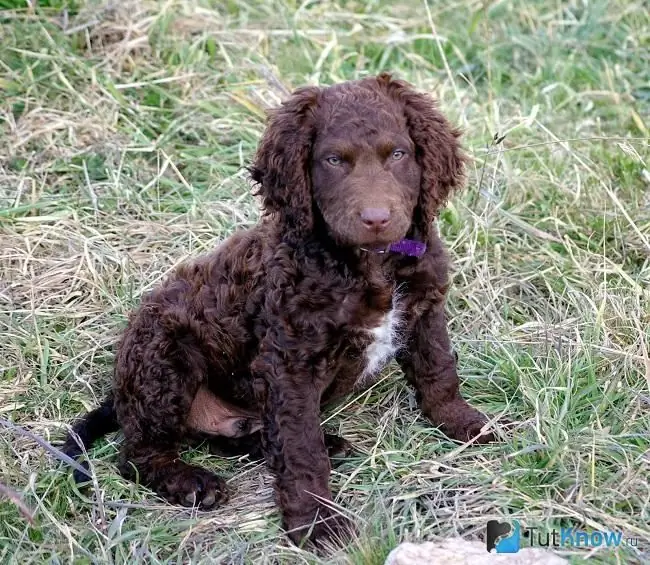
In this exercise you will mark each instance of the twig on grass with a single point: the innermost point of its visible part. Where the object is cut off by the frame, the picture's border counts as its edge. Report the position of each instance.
(45, 445)
(14, 497)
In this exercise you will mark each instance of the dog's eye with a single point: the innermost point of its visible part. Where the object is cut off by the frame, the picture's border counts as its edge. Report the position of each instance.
(334, 160)
(398, 154)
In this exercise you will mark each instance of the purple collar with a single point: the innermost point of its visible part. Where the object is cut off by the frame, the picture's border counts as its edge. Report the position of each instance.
(408, 247)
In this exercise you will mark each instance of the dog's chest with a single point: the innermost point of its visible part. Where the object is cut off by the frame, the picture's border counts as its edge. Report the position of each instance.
(384, 341)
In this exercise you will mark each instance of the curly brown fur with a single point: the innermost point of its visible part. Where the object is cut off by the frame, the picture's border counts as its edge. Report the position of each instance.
(300, 310)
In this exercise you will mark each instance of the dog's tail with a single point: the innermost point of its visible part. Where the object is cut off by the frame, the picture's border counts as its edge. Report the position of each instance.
(94, 425)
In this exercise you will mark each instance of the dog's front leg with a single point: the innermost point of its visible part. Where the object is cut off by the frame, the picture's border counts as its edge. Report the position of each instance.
(288, 394)
(430, 365)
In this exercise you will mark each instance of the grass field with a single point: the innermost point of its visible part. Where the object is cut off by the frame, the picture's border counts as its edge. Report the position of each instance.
(124, 130)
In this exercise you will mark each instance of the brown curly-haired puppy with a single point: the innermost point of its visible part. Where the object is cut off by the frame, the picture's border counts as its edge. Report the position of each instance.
(345, 272)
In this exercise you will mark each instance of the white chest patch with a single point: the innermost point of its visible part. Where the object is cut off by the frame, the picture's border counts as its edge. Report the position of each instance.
(386, 342)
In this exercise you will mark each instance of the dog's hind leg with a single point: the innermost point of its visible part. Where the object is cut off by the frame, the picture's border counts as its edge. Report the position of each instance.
(151, 455)
(160, 468)
(160, 369)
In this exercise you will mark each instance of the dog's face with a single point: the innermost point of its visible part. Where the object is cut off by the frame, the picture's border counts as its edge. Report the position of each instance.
(374, 158)
(364, 174)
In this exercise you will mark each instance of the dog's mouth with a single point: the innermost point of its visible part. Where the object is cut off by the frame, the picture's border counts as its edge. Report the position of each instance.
(376, 247)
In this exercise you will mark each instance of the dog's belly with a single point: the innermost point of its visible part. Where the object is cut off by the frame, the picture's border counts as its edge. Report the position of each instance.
(386, 339)
(212, 415)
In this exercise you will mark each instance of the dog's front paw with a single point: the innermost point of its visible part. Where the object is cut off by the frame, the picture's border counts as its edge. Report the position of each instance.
(474, 429)
(325, 529)
(459, 421)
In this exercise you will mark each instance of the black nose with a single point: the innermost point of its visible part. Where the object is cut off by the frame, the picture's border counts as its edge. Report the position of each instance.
(375, 218)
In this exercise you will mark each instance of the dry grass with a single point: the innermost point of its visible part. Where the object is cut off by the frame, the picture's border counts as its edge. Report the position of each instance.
(124, 129)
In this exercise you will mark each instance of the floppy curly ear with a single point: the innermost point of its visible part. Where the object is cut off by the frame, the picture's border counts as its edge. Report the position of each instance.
(281, 164)
(438, 149)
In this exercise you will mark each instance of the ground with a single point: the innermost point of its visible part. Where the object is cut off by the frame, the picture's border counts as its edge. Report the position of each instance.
(124, 130)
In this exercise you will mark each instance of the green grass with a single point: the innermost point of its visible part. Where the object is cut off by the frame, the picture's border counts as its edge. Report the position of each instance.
(124, 130)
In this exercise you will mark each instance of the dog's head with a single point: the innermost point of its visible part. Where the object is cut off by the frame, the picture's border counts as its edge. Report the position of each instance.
(373, 158)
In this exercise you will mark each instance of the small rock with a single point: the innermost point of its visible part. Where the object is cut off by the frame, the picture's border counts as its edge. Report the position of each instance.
(457, 551)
